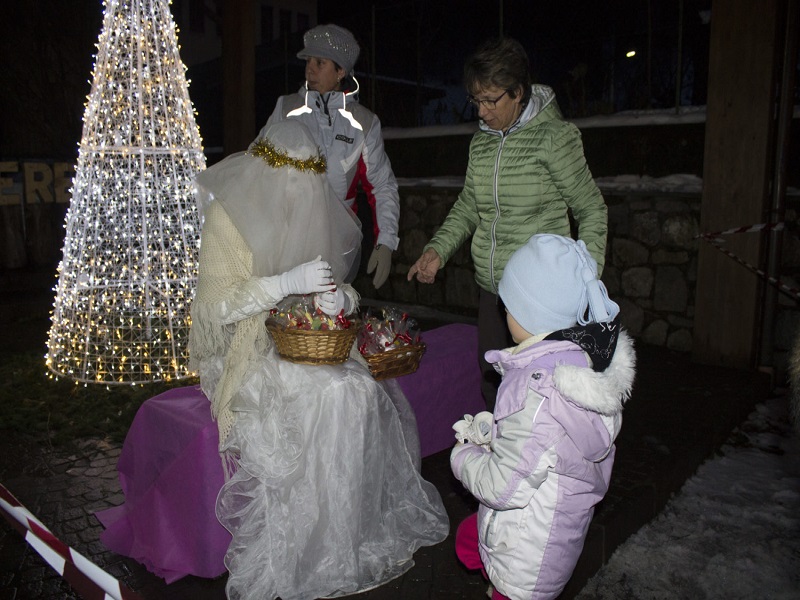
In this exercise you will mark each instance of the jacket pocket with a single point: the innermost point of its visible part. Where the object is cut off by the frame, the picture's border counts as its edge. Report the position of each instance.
(487, 525)
(501, 536)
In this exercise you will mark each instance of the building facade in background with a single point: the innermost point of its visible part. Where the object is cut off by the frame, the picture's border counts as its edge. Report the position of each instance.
(200, 25)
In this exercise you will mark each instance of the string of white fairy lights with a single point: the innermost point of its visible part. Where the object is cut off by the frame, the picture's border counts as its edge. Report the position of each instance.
(129, 265)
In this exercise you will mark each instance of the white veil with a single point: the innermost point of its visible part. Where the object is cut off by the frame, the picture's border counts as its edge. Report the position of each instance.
(277, 196)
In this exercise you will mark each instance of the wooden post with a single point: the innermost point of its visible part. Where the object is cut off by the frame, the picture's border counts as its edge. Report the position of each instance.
(737, 168)
(238, 82)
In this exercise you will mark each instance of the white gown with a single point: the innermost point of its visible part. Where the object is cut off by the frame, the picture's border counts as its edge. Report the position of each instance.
(349, 514)
(327, 499)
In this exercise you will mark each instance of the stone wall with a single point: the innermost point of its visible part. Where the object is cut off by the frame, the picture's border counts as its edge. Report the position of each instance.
(423, 209)
(651, 265)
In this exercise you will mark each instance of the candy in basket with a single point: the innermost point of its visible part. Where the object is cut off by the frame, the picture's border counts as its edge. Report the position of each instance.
(303, 334)
(390, 343)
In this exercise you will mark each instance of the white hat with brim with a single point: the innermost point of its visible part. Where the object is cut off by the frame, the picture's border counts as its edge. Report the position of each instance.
(332, 42)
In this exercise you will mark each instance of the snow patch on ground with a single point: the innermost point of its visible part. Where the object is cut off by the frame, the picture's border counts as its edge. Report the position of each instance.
(733, 531)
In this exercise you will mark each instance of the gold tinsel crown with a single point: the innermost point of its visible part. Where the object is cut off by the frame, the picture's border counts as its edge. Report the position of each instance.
(263, 148)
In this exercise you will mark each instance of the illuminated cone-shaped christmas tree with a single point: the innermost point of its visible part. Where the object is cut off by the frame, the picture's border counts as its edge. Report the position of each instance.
(129, 265)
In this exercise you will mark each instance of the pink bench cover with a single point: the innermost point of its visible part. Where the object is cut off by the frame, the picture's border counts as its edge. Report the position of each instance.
(170, 471)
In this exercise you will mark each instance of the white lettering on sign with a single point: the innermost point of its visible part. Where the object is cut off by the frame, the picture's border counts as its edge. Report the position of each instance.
(35, 181)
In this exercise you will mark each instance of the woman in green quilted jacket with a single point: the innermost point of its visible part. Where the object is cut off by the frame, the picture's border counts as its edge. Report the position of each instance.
(526, 173)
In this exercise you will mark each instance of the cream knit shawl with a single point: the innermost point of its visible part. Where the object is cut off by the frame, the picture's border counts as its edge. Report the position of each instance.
(225, 262)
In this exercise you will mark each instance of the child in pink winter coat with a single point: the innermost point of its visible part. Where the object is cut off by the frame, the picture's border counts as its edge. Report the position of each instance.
(546, 460)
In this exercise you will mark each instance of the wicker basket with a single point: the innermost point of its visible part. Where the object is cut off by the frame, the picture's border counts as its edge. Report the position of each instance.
(313, 347)
(397, 362)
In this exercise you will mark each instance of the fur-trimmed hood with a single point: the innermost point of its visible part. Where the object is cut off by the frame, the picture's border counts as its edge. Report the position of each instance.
(603, 392)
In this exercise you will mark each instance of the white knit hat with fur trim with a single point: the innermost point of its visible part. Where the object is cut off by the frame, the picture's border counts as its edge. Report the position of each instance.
(551, 283)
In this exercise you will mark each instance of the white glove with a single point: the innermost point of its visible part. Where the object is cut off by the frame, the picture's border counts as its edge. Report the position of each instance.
(332, 303)
(308, 278)
(476, 430)
(380, 261)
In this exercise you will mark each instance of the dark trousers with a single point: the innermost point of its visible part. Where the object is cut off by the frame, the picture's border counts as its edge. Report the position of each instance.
(493, 334)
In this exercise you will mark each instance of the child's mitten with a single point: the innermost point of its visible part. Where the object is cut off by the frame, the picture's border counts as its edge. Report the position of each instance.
(476, 430)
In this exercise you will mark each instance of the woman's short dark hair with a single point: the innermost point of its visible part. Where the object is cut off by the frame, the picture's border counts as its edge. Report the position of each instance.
(501, 63)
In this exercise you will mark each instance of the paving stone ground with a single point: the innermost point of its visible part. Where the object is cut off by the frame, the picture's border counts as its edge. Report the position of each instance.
(64, 490)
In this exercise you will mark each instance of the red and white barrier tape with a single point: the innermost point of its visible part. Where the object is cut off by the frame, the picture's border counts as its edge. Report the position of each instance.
(794, 292)
(712, 238)
(89, 580)
(746, 229)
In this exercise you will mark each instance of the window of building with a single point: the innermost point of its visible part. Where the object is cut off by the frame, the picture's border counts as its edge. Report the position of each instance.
(267, 24)
(303, 22)
(285, 22)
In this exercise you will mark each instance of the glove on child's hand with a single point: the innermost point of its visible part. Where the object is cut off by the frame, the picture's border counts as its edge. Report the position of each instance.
(476, 430)
(308, 278)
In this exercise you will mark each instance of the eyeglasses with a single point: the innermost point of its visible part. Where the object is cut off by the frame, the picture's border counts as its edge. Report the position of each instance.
(487, 103)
